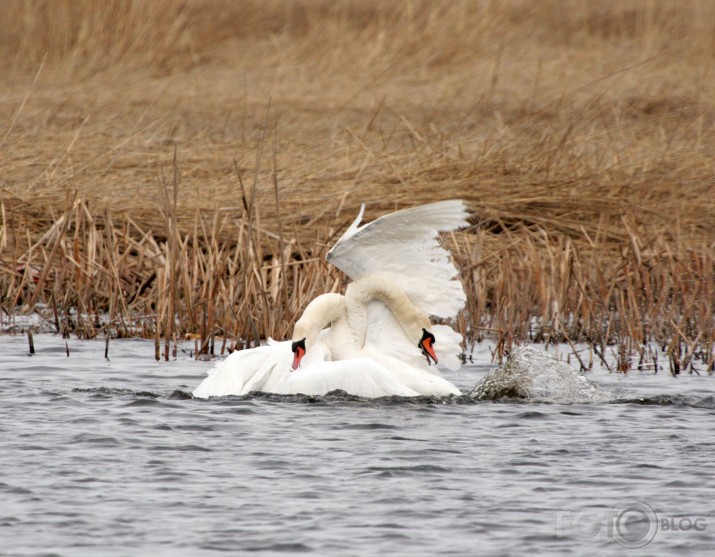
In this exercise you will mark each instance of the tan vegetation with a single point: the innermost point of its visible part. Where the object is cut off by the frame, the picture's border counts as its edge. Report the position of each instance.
(195, 158)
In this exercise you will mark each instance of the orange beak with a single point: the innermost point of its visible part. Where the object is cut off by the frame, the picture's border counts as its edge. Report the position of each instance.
(298, 348)
(427, 346)
(297, 357)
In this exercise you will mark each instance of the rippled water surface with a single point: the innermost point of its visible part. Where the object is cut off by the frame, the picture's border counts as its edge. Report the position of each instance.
(113, 457)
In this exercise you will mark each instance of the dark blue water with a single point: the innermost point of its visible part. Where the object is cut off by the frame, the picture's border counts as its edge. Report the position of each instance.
(105, 458)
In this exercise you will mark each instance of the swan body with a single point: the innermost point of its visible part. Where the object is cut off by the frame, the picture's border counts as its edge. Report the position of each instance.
(267, 369)
(372, 341)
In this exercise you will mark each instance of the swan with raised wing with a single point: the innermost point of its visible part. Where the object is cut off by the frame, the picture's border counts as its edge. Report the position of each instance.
(376, 340)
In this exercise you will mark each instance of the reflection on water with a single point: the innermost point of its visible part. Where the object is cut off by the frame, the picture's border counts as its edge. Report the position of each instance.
(113, 457)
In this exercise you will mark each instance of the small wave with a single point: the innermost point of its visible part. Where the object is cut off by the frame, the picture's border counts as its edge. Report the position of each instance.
(110, 392)
(139, 402)
(93, 439)
(692, 401)
(401, 471)
(14, 490)
(370, 426)
(280, 548)
(340, 396)
(178, 394)
(191, 448)
(533, 416)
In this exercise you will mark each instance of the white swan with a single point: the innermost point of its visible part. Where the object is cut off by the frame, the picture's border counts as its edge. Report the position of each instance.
(371, 347)
(330, 350)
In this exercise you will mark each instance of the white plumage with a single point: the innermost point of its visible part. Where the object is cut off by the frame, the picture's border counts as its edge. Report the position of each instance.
(405, 246)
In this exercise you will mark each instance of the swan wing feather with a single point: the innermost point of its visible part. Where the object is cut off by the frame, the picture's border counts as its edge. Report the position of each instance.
(405, 246)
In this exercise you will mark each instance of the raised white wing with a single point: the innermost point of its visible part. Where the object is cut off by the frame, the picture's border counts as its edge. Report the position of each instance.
(404, 245)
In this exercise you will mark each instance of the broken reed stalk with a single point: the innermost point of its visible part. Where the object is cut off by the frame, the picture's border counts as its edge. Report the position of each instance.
(170, 203)
(281, 243)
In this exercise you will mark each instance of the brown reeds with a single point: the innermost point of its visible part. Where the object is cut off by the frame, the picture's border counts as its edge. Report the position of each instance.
(129, 281)
(177, 168)
(622, 306)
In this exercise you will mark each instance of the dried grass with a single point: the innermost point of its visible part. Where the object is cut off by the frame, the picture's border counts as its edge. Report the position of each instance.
(194, 159)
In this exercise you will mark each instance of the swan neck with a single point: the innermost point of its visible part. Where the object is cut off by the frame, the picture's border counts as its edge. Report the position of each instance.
(320, 313)
(381, 288)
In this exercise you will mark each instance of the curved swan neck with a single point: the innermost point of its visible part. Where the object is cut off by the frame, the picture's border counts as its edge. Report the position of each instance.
(381, 288)
(321, 312)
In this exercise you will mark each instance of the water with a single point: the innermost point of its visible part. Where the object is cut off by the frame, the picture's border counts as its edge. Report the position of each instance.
(111, 458)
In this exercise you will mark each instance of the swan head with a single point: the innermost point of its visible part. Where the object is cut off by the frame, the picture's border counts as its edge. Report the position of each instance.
(426, 344)
(298, 348)
(305, 333)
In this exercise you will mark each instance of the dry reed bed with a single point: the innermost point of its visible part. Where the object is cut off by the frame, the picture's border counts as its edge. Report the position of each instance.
(119, 279)
(201, 169)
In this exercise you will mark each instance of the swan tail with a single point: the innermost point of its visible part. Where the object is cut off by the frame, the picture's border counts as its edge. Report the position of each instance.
(244, 371)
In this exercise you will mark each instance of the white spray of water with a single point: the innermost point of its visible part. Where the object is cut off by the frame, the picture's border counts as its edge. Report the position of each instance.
(534, 375)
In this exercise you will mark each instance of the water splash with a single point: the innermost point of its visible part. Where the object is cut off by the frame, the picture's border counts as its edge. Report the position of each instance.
(534, 375)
